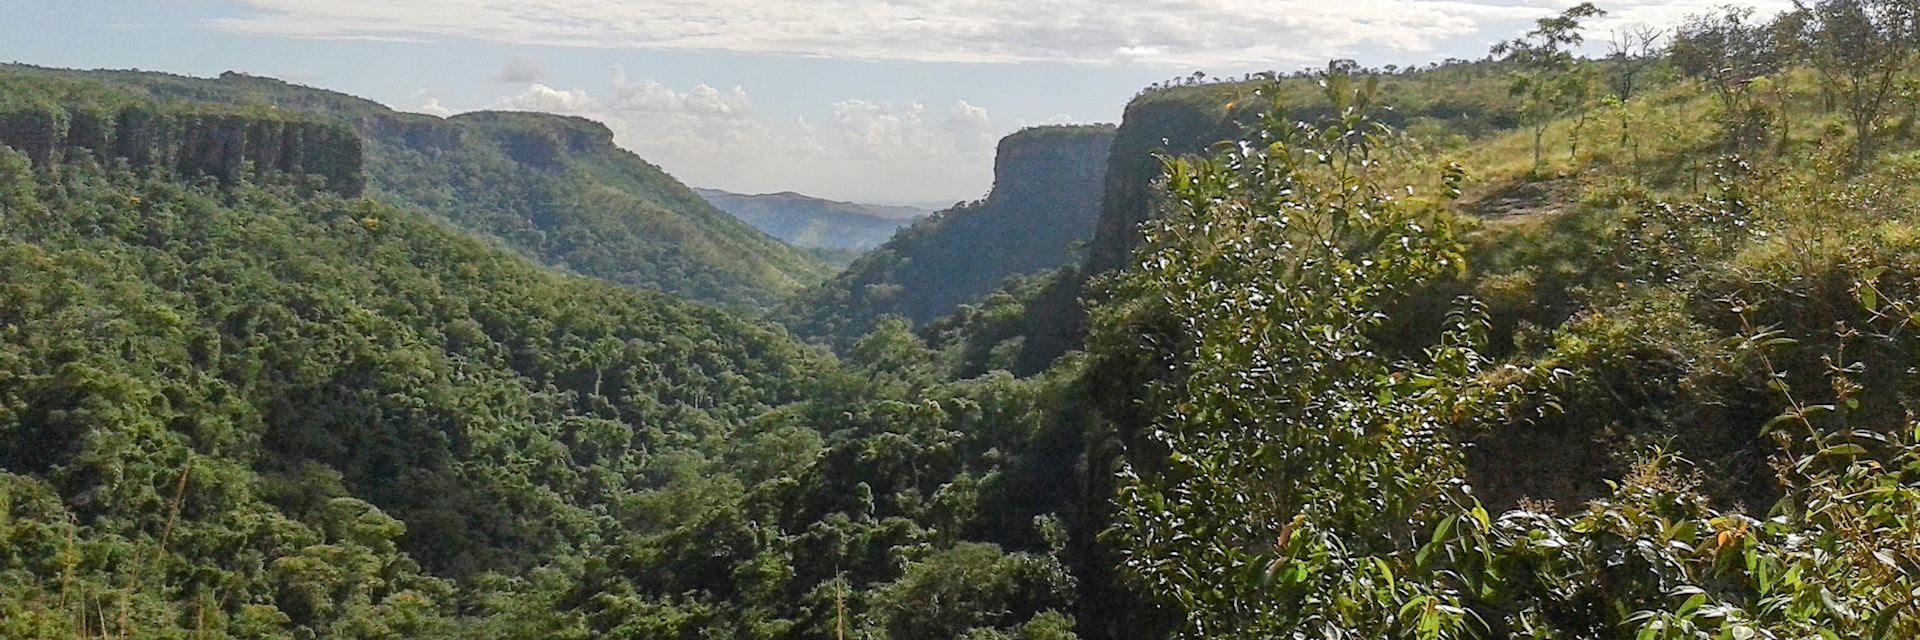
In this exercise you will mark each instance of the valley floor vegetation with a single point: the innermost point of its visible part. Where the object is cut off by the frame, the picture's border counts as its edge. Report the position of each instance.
(1631, 356)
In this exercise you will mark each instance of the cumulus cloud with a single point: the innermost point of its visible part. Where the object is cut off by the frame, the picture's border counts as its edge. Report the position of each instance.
(429, 103)
(433, 108)
(906, 132)
(1052, 120)
(711, 137)
(1156, 32)
(648, 95)
(522, 70)
(540, 97)
(656, 121)
(965, 117)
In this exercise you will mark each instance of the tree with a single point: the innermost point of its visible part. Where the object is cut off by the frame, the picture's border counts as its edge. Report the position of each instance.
(969, 590)
(1860, 48)
(1727, 52)
(1283, 428)
(1551, 80)
(1630, 51)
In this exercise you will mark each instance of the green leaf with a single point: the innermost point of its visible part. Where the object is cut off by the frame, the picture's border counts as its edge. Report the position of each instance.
(1844, 450)
(1692, 604)
(1446, 527)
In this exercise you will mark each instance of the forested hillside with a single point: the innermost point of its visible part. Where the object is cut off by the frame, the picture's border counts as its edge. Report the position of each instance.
(269, 411)
(1046, 194)
(1631, 359)
(843, 228)
(553, 188)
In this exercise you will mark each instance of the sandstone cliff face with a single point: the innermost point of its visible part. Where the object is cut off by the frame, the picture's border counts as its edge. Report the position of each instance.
(1063, 168)
(1174, 122)
(192, 142)
(539, 140)
(1169, 124)
(1046, 196)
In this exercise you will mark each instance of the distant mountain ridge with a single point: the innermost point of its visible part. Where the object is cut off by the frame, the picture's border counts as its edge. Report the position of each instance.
(865, 208)
(554, 188)
(816, 223)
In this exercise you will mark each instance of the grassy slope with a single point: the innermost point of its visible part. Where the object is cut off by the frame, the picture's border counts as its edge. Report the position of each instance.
(1581, 272)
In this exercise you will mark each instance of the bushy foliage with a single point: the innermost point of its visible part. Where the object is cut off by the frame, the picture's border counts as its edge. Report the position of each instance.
(1294, 479)
(1298, 458)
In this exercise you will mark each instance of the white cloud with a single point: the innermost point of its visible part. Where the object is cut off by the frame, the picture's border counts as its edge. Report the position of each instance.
(648, 95)
(522, 70)
(882, 131)
(965, 117)
(1267, 33)
(433, 108)
(429, 101)
(710, 137)
(540, 97)
(904, 133)
(1053, 120)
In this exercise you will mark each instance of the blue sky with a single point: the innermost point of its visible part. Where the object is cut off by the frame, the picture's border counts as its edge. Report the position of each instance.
(873, 100)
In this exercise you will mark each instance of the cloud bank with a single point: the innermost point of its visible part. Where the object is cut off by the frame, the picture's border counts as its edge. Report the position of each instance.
(1152, 32)
(708, 136)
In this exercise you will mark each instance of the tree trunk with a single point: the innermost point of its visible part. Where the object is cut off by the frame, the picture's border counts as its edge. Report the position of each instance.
(1863, 141)
(1573, 145)
(1539, 133)
(1624, 124)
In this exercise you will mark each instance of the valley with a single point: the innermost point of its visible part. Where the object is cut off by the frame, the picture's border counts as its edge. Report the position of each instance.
(840, 229)
(1601, 340)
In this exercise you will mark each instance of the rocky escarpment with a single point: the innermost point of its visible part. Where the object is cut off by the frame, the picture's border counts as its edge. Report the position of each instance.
(1169, 122)
(1061, 166)
(539, 140)
(191, 141)
(556, 189)
(1175, 122)
(1046, 196)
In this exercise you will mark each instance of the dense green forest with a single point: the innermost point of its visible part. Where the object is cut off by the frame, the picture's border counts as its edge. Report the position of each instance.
(1536, 346)
(830, 227)
(553, 188)
(271, 411)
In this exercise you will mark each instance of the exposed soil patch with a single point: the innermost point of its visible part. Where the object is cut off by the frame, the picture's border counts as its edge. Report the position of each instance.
(1521, 198)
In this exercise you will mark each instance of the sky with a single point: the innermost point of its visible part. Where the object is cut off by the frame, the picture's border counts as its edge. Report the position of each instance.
(894, 101)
